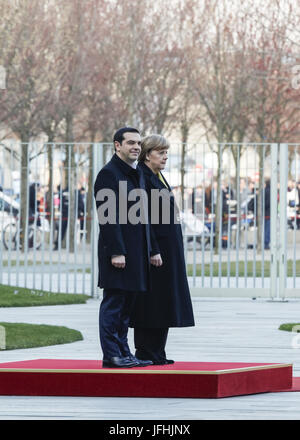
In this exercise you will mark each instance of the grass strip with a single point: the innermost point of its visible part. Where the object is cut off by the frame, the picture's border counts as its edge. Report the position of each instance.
(243, 269)
(11, 296)
(19, 335)
(290, 327)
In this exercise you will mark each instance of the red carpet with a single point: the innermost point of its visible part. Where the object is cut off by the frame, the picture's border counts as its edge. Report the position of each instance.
(68, 377)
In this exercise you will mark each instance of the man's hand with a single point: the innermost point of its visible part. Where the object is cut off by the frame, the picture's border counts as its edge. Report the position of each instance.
(118, 261)
(156, 260)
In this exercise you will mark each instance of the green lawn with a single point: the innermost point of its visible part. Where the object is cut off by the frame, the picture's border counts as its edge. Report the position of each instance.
(14, 263)
(20, 297)
(242, 270)
(19, 335)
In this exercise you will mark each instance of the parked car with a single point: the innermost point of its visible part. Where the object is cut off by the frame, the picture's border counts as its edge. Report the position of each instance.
(9, 209)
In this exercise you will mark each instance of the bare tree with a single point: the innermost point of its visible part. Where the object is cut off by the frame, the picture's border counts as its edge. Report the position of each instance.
(220, 82)
(28, 35)
(275, 113)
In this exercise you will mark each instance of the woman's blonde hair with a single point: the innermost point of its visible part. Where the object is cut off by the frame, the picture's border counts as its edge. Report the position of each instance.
(152, 142)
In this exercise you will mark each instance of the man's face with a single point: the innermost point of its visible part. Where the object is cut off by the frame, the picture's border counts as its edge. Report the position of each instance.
(130, 148)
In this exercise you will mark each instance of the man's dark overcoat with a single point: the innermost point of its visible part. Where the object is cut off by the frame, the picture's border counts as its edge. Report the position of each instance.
(131, 240)
(168, 303)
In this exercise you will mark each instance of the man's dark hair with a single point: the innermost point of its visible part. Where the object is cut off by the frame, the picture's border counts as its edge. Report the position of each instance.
(119, 134)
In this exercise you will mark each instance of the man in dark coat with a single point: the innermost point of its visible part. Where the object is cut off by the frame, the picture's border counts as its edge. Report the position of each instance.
(123, 249)
(33, 203)
(62, 224)
(265, 209)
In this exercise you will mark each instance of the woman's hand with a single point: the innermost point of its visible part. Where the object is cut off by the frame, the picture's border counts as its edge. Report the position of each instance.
(156, 260)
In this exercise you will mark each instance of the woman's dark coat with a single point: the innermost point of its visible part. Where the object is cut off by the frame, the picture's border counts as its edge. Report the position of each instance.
(131, 240)
(168, 303)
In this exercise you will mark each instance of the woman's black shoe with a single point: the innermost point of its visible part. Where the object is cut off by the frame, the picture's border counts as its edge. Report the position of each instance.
(164, 362)
(118, 362)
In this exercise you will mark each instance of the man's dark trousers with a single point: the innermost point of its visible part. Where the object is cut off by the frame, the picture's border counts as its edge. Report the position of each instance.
(114, 317)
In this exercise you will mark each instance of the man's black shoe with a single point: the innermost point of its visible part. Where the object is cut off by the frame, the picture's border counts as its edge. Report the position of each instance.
(118, 362)
(142, 363)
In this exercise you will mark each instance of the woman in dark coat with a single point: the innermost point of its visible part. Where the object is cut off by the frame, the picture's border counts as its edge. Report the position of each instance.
(168, 302)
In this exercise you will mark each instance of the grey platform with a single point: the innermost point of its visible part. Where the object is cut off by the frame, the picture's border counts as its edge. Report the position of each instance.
(227, 329)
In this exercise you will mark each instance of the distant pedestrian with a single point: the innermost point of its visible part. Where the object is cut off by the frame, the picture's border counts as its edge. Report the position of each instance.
(33, 204)
(62, 225)
(267, 214)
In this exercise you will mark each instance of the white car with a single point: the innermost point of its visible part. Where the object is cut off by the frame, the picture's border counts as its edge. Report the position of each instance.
(9, 208)
(9, 226)
(194, 227)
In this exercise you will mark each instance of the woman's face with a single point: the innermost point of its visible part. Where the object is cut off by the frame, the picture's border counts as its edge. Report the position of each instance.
(157, 159)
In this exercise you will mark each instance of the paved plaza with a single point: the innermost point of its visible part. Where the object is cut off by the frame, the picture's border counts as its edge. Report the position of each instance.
(227, 330)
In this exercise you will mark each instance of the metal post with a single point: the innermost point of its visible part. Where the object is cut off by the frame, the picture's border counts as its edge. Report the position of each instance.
(52, 213)
(283, 219)
(96, 166)
(2, 222)
(273, 221)
(238, 221)
(219, 244)
(263, 225)
(84, 236)
(294, 258)
(69, 195)
(25, 233)
(203, 239)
